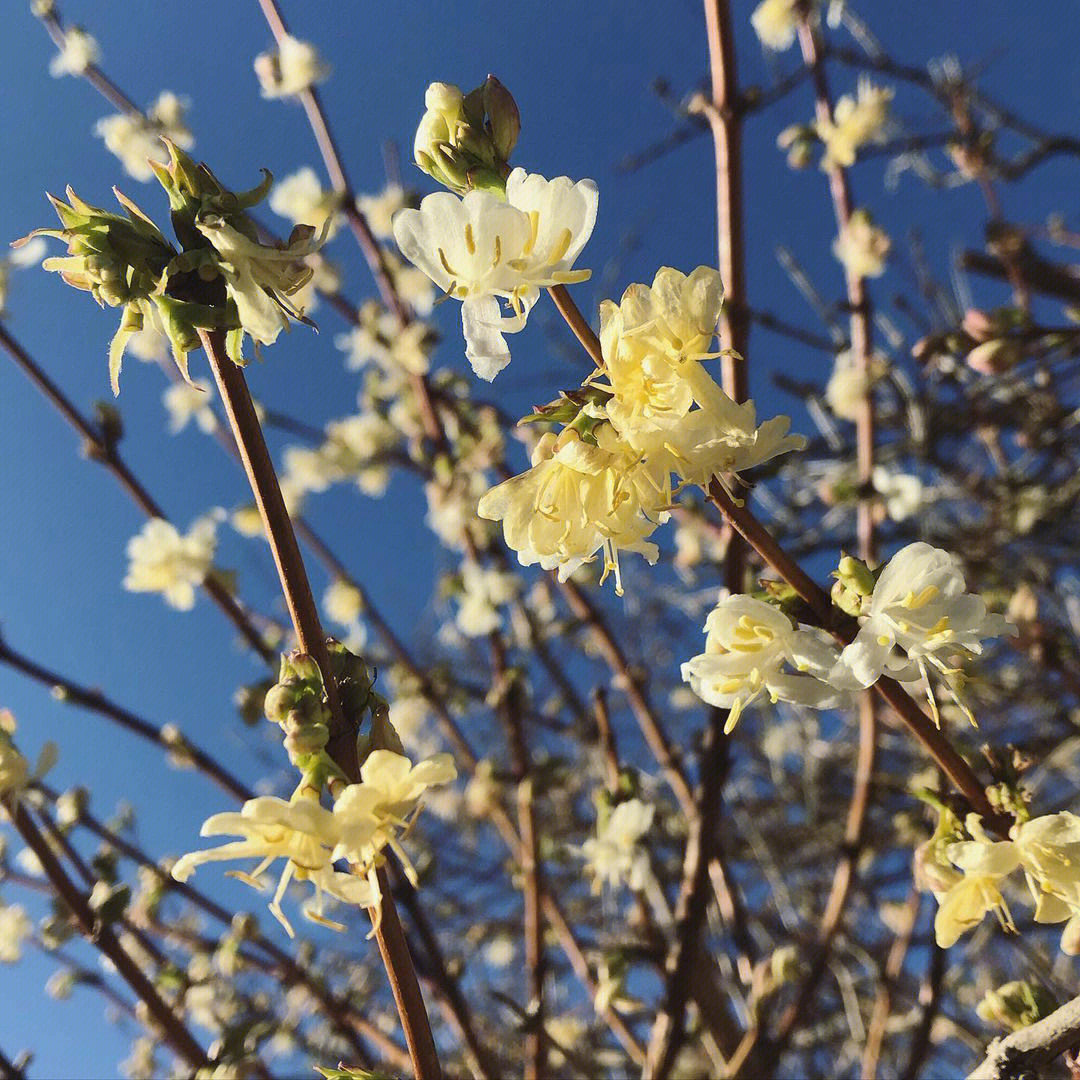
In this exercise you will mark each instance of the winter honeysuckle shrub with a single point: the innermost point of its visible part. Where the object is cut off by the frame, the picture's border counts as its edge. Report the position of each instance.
(222, 279)
(919, 615)
(137, 139)
(482, 248)
(162, 559)
(753, 649)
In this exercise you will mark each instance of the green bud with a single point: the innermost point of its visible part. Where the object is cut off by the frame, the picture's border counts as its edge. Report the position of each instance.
(503, 116)
(1016, 1005)
(846, 600)
(298, 665)
(380, 736)
(855, 575)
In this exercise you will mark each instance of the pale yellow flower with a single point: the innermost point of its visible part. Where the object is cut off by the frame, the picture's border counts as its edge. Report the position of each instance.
(161, 559)
(293, 67)
(855, 122)
(985, 864)
(137, 139)
(300, 198)
(15, 928)
(343, 602)
(775, 23)
(78, 52)
(379, 210)
(187, 401)
(862, 247)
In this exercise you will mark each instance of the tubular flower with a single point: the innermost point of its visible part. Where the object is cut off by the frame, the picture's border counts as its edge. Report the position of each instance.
(920, 613)
(162, 560)
(301, 831)
(752, 648)
(1049, 852)
(578, 499)
(985, 863)
(653, 343)
(480, 249)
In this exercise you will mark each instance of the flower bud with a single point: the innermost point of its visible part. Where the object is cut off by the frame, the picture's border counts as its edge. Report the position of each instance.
(855, 575)
(1015, 1005)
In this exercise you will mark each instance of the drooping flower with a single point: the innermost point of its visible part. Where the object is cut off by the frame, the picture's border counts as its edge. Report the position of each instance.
(161, 559)
(1049, 852)
(862, 247)
(136, 139)
(775, 23)
(615, 855)
(78, 52)
(481, 249)
(754, 649)
(855, 122)
(578, 499)
(259, 277)
(300, 198)
(295, 66)
(300, 831)
(984, 863)
(920, 613)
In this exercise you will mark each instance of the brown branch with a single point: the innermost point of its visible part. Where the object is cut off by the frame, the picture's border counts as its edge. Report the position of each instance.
(172, 1027)
(1027, 1051)
(240, 410)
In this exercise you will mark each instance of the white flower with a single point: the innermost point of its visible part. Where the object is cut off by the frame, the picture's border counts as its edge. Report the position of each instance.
(480, 249)
(984, 863)
(578, 499)
(259, 277)
(752, 648)
(775, 23)
(136, 139)
(615, 854)
(379, 210)
(294, 67)
(484, 590)
(848, 386)
(903, 492)
(1049, 852)
(343, 602)
(300, 198)
(160, 559)
(148, 344)
(413, 285)
(862, 247)
(920, 613)
(855, 122)
(78, 52)
(15, 928)
(187, 401)
(310, 470)
(301, 831)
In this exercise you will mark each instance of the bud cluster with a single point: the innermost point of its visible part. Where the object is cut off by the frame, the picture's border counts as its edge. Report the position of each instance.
(464, 141)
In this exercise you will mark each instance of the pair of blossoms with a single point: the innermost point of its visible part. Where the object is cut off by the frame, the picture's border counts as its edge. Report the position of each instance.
(366, 818)
(602, 484)
(966, 876)
(918, 616)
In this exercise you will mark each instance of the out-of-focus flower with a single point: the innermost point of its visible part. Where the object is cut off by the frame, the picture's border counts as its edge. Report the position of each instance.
(855, 122)
(295, 66)
(775, 23)
(15, 928)
(77, 53)
(301, 199)
(379, 210)
(862, 247)
(136, 139)
(615, 855)
(185, 402)
(902, 492)
(161, 559)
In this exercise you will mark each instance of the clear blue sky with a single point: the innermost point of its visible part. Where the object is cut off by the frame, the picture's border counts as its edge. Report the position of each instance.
(581, 74)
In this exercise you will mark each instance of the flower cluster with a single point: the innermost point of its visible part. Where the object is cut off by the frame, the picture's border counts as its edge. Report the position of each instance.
(162, 559)
(604, 483)
(855, 122)
(966, 875)
(366, 818)
(615, 855)
(292, 68)
(917, 615)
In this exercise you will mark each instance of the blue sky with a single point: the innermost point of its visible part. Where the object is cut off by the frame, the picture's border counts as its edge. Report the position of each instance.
(581, 73)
